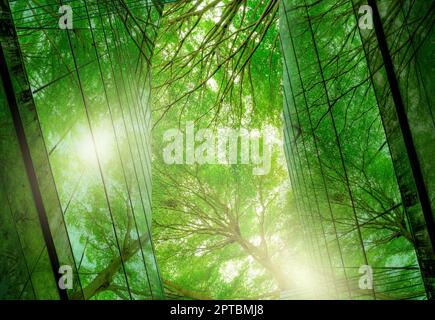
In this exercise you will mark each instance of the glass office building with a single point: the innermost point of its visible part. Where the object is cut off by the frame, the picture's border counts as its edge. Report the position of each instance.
(359, 142)
(75, 170)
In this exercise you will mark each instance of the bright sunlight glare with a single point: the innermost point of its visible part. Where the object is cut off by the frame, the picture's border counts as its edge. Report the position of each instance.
(103, 144)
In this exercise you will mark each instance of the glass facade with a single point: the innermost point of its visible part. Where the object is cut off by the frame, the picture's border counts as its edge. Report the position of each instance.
(75, 125)
(349, 164)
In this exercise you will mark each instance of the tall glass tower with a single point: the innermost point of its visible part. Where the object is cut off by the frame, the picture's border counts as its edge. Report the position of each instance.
(75, 174)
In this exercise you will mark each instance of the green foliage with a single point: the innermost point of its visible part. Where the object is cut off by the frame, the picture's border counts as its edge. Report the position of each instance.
(340, 193)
